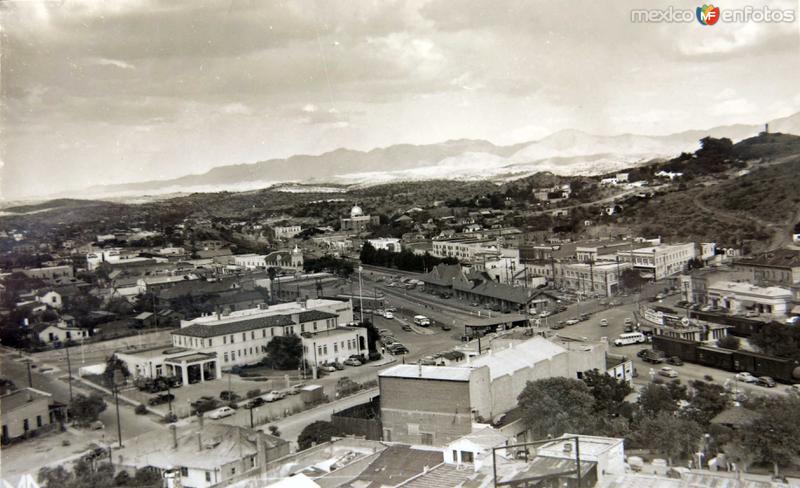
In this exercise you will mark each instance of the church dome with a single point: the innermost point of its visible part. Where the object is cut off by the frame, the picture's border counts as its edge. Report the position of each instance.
(356, 211)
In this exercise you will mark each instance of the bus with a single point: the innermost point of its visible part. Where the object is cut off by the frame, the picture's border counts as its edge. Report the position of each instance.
(422, 320)
(630, 338)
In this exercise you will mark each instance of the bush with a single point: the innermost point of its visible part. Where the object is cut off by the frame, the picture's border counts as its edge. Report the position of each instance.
(729, 342)
(170, 418)
(122, 479)
(316, 433)
(140, 409)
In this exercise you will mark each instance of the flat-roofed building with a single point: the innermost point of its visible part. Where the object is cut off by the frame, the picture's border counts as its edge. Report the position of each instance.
(740, 298)
(25, 411)
(659, 262)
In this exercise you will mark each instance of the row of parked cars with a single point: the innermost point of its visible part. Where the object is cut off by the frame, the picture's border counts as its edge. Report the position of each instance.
(391, 344)
(354, 360)
(657, 357)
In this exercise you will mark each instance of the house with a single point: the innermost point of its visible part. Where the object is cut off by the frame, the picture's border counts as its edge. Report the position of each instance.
(779, 267)
(144, 319)
(58, 332)
(202, 456)
(51, 298)
(27, 411)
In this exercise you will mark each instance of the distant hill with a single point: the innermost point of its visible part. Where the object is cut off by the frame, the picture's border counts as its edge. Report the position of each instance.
(568, 152)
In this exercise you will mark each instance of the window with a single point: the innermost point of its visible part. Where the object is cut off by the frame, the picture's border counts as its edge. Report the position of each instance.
(25, 425)
(225, 358)
(253, 334)
(184, 471)
(302, 328)
(233, 471)
(427, 439)
(38, 421)
(224, 339)
(263, 332)
(244, 336)
(467, 457)
(335, 348)
(208, 476)
(325, 349)
(253, 462)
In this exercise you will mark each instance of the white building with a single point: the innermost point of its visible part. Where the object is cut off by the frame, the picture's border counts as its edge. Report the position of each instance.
(464, 249)
(391, 244)
(50, 298)
(740, 298)
(334, 345)
(115, 256)
(278, 259)
(58, 332)
(661, 261)
(241, 337)
(287, 231)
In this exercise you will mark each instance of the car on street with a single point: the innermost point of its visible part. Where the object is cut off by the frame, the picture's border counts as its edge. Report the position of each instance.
(398, 348)
(352, 362)
(388, 315)
(161, 399)
(745, 377)
(295, 389)
(668, 372)
(766, 382)
(557, 326)
(675, 361)
(571, 321)
(221, 412)
(328, 368)
(584, 317)
(407, 328)
(603, 322)
(446, 327)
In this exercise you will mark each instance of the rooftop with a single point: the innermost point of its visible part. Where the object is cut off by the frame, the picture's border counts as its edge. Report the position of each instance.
(750, 289)
(780, 258)
(441, 373)
(518, 356)
(221, 444)
(19, 398)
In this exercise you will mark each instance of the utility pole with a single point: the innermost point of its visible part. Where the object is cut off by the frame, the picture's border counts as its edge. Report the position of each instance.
(30, 378)
(69, 374)
(116, 401)
(251, 417)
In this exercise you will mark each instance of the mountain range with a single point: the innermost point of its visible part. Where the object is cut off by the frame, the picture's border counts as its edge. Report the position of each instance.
(568, 152)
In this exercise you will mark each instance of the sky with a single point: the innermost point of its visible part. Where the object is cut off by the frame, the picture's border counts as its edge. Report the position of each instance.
(100, 92)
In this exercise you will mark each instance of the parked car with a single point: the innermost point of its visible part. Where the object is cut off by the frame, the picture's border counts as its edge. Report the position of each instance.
(161, 399)
(97, 425)
(388, 315)
(407, 328)
(603, 322)
(352, 362)
(745, 377)
(398, 348)
(558, 326)
(668, 372)
(572, 321)
(221, 412)
(584, 317)
(675, 361)
(766, 381)
(228, 396)
(446, 327)
(339, 366)
(653, 356)
(295, 389)
(273, 396)
(628, 321)
(328, 368)
(256, 402)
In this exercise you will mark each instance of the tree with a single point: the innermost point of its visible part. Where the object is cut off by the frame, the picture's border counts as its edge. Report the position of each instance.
(729, 342)
(273, 429)
(631, 279)
(609, 393)
(316, 433)
(284, 352)
(672, 435)
(116, 370)
(774, 436)
(655, 398)
(85, 409)
(553, 406)
(706, 400)
(56, 477)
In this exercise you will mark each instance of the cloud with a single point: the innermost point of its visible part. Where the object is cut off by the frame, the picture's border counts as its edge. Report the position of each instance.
(111, 62)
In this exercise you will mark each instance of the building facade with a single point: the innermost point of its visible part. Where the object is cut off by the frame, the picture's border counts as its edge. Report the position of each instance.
(25, 411)
(661, 261)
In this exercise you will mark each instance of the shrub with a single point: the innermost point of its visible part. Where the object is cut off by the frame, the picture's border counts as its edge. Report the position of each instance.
(140, 409)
